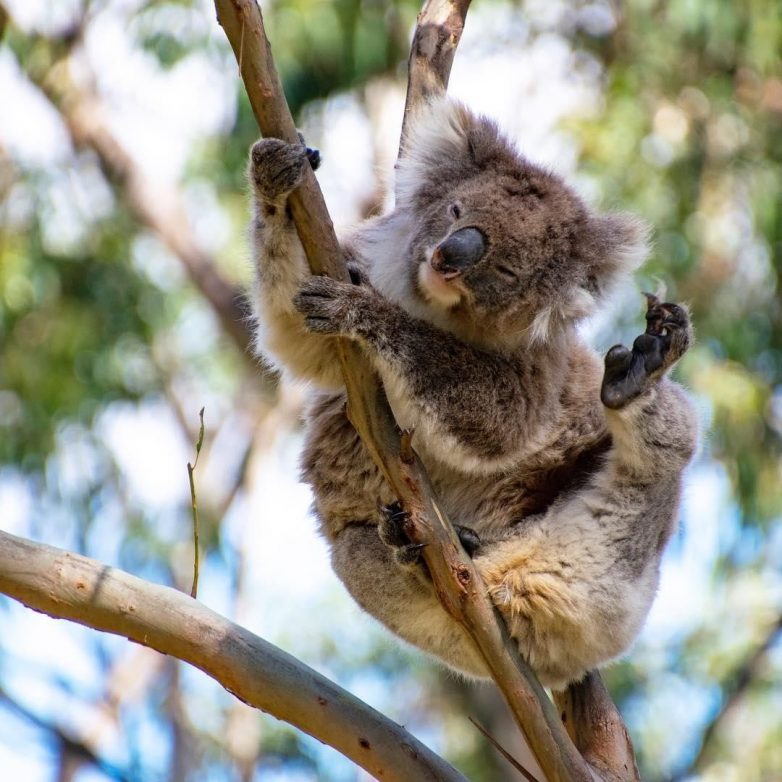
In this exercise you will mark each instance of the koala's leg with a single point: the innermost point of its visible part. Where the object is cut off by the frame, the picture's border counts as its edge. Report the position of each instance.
(576, 583)
(400, 598)
(349, 490)
(275, 169)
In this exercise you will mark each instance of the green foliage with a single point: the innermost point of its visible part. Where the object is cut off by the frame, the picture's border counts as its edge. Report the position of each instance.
(324, 47)
(76, 330)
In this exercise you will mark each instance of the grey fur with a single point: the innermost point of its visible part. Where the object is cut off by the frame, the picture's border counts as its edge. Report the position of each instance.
(573, 501)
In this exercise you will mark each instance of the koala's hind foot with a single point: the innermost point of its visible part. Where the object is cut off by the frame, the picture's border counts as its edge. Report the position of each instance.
(629, 372)
(393, 534)
(277, 167)
(393, 519)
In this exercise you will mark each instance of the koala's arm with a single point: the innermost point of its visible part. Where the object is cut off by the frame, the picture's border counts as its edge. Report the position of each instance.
(472, 409)
(281, 268)
(575, 584)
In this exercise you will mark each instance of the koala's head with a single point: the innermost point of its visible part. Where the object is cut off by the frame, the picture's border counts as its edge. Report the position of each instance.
(498, 242)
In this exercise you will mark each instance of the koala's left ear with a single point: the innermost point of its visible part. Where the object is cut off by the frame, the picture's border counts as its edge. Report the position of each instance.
(616, 245)
(610, 247)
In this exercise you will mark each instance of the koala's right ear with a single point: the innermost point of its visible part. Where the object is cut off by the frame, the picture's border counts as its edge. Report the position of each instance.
(617, 244)
(437, 150)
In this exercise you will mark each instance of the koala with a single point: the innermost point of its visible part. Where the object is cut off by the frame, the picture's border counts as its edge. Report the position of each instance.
(561, 472)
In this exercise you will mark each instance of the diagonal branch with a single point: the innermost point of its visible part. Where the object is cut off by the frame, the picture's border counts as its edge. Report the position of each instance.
(74, 587)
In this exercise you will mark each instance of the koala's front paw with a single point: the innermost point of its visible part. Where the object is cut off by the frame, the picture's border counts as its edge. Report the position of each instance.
(628, 372)
(337, 308)
(277, 167)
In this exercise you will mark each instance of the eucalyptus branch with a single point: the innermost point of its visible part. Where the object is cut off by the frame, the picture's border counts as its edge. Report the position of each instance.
(597, 729)
(437, 34)
(70, 586)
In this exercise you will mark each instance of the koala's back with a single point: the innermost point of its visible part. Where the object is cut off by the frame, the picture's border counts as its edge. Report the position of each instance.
(349, 488)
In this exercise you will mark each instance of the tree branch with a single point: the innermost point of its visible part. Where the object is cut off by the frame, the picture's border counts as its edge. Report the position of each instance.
(596, 727)
(437, 34)
(74, 587)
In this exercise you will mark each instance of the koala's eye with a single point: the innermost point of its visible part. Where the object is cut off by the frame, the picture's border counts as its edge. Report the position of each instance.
(455, 210)
(506, 273)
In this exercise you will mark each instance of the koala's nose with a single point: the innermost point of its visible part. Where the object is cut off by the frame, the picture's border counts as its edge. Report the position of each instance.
(459, 252)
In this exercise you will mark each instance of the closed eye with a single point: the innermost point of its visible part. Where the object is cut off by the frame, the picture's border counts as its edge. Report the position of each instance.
(506, 272)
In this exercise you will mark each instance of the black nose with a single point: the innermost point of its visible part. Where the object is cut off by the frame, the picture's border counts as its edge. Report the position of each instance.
(459, 252)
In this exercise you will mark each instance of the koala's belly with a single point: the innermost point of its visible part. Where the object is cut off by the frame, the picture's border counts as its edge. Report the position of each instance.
(349, 488)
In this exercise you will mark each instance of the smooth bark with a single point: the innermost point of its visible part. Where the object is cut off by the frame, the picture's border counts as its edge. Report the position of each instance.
(70, 586)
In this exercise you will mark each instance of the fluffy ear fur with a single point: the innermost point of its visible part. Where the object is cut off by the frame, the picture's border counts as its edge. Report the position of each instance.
(615, 245)
(446, 143)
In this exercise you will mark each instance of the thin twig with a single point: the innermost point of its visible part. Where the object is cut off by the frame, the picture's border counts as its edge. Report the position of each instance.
(194, 504)
(504, 752)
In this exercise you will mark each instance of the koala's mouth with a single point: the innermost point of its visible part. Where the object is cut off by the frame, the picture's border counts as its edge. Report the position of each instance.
(442, 288)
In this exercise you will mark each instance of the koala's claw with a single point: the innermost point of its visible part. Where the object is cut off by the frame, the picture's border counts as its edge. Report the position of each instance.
(277, 167)
(469, 539)
(320, 301)
(628, 372)
(391, 529)
(358, 275)
(335, 308)
(392, 532)
(313, 155)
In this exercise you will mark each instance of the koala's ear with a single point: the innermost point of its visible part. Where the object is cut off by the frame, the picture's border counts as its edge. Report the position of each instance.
(611, 247)
(616, 245)
(437, 150)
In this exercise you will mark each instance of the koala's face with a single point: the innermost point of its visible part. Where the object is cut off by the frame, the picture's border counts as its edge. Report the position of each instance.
(497, 247)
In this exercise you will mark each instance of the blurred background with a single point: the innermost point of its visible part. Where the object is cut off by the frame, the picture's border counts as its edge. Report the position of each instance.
(123, 256)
